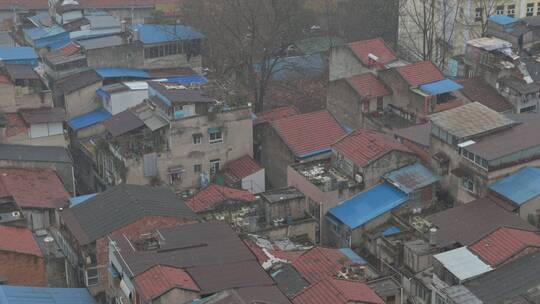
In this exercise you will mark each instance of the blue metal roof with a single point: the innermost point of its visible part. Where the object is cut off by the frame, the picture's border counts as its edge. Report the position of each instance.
(121, 72)
(391, 231)
(89, 119)
(17, 53)
(503, 19)
(188, 80)
(159, 33)
(34, 295)
(368, 205)
(440, 87)
(36, 33)
(80, 199)
(519, 187)
(411, 178)
(355, 258)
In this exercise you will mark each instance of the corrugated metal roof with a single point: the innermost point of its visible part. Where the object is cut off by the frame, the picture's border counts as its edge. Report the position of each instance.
(391, 231)
(160, 33)
(411, 178)
(17, 53)
(460, 294)
(355, 258)
(121, 72)
(89, 119)
(462, 263)
(80, 199)
(368, 205)
(469, 120)
(36, 33)
(34, 295)
(503, 19)
(188, 80)
(440, 87)
(519, 187)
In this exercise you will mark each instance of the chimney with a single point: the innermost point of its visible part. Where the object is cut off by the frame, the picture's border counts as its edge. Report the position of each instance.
(432, 236)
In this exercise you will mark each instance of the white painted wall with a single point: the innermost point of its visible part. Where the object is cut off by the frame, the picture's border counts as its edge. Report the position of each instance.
(254, 183)
(45, 129)
(125, 100)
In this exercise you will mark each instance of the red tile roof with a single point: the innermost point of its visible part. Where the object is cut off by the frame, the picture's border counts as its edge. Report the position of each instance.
(376, 47)
(277, 113)
(15, 125)
(363, 146)
(504, 243)
(367, 85)
(310, 132)
(240, 168)
(420, 73)
(34, 188)
(159, 279)
(17, 239)
(211, 196)
(4, 79)
(70, 49)
(319, 263)
(476, 89)
(334, 291)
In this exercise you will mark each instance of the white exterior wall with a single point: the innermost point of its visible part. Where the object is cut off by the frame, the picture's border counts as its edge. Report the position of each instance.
(125, 100)
(255, 183)
(45, 129)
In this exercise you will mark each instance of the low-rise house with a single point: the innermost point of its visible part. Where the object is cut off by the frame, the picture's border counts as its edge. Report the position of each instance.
(354, 100)
(26, 294)
(477, 89)
(215, 202)
(360, 57)
(420, 89)
(87, 124)
(39, 193)
(338, 291)
(244, 173)
(119, 97)
(18, 55)
(505, 245)
(520, 193)
(347, 222)
(190, 253)
(43, 127)
(523, 95)
(22, 260)
(261, 125)
(55, 158)
(22, 88)
(77, 93)
(295, 139)
(43, 37)
(65, 11)
(265, 294)
(418, 182)
(63, 62)
(125, 210)
(417, 139)
(169, 45)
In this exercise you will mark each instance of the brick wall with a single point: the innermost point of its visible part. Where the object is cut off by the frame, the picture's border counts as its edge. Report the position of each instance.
(22, 269)
(144, 225)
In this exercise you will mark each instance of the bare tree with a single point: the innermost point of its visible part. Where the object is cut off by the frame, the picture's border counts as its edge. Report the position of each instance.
(247, 38)
(487, 8)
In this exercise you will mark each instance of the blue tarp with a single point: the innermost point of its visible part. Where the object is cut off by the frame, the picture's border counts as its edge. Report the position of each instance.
(440, 87)
(519, 187)
(368, 205)
(160, 33)
(121, 72)
(188, 80)
(41, 295)
(355, 258)
(74, 201)
(391, 231)
(411, 178)
(18, 55)
(89, 119)
(503, 19)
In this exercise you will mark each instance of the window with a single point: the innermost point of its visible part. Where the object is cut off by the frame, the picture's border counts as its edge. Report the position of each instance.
(380, 104)
(215, 135)
(538, 9)
(499, 10)
(176, 177)
(528, 109)
(197, 168)
(468, 183)
(511, 10)
(91, 276)
(197, 138)
(478, 14)
(530, 9)
(214, 166)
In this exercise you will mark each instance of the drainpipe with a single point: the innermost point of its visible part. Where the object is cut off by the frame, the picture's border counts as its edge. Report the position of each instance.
(73, 179)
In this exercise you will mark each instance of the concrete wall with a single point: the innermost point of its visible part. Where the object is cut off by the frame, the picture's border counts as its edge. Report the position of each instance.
(123, 56)
(307, 227)
(275, 157)
(255, 183)
(389, 162)
(23, 139)
(175, 296)
(237, 141)
(531, 209)
(15, 98)
(345, 104)
(179, 60)
(22, 269)
(124, 100)
(295, 208)
(82, 101)
(344, 64)
(403, 97)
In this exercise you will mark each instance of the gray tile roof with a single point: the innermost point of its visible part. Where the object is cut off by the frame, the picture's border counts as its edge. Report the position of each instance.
(509, 283)
(282, 194)
(76, 82)
(470, 120)
(34, 153)
(419, 134)
(120, 206)
(122, 123)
